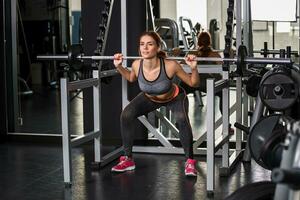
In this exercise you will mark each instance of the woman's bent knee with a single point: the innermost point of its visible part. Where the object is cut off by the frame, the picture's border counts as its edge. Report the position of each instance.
(126, 115)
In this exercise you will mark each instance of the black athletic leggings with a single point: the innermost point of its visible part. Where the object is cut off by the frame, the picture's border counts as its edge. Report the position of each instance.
(142, 105)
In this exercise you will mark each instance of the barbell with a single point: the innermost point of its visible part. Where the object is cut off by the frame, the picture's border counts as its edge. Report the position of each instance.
(76, 58)
(250, 60)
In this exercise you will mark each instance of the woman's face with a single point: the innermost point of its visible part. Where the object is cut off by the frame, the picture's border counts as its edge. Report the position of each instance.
(148, 47)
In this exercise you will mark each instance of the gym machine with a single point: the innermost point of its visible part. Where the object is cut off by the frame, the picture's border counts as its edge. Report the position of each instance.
(285, 178)
(168, 31)
(189, 38)
(272, 139)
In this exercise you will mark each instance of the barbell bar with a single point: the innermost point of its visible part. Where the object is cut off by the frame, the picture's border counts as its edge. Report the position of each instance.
(76, 57)
(249, 60)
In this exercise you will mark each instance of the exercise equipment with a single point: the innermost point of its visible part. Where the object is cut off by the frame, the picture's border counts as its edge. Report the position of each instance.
(278, 89)
(285, 179)
(168, 31)
(241, 65)
(253, 81)
(287, 81)
(107, 66)
(228, 37)
(265, 51)
(252, 85)
(274, 144)
(287, 175)
(73, 51)
(214, 32)
(189, 37)
(264, 141)
(77, 57)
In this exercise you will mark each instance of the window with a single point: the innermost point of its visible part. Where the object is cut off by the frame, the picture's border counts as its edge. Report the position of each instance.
(274, 10)
(196, 10)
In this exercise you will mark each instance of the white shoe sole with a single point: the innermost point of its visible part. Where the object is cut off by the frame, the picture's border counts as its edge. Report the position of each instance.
(190, 174)
(123, 170)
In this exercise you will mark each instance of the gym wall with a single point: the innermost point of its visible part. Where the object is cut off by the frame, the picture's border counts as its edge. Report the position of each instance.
(3, 104)
(111, 93)
(168, 9)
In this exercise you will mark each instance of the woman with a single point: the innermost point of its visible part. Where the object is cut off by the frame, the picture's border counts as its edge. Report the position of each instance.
(154, 75)
(205, 50)
(204, 47)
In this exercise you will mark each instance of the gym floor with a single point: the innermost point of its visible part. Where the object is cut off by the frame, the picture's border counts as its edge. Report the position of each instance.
(33, 171)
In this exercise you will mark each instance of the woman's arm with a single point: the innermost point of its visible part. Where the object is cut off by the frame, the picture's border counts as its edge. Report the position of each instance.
(129, 75)
(192, 79)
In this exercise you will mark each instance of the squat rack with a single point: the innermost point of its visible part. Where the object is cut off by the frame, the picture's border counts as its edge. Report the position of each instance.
(95, 82)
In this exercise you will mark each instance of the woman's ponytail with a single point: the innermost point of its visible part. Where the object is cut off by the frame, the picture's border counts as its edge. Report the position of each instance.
(162, 54)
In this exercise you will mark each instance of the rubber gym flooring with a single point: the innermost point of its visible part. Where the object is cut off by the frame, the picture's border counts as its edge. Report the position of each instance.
(33, 170)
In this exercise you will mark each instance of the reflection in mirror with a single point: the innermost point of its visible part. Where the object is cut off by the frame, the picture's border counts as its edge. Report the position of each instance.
(46, 27)
(75, 22)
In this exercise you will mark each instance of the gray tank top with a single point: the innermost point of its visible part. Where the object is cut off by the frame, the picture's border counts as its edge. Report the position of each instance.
(160, 85)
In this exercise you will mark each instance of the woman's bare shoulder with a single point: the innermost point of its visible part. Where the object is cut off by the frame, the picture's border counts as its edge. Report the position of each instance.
(171, 63)
(136, 63)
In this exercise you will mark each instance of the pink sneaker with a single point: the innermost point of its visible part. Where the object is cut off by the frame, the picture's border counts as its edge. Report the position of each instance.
(125, 164)
(190, 167)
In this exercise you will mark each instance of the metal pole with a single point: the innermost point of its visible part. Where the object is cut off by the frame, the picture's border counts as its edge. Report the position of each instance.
(12, 61)
(152, 15)
(225, 122)
(238, 23)
(97, 118)
(54, 61)
(245, 100)
(66, 140)
(239, 38)
(210, 124)
(124, 49)
(273, 36)
(239, 116)
(289, 160)
(254, 60)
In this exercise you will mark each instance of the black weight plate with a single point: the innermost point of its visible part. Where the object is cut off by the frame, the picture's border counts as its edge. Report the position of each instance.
(278, 91)
(260, 134)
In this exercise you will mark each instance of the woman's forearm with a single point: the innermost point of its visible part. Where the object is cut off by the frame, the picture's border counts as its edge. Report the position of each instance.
(195, 78)
(124, 72)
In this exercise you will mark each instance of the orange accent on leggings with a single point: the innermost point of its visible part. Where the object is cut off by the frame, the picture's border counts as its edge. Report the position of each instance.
(176, 92)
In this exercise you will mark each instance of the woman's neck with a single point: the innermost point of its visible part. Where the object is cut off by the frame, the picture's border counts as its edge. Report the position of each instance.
(151, 63)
